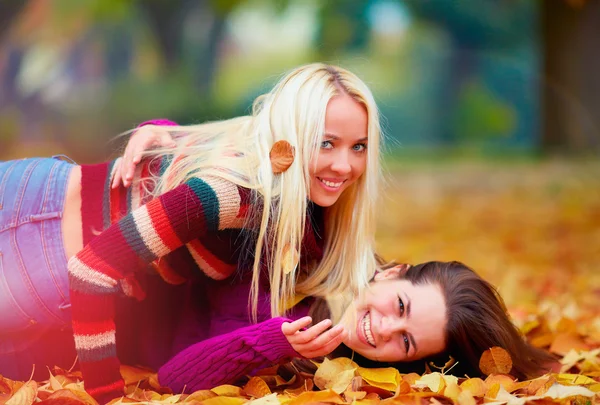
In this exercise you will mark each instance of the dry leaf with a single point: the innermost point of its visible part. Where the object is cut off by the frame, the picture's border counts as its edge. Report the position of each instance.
(563, 343)
(434, 381)
(25, 395)
(335, 374)
(227, 390)
(558, 391)
(282, 156)
(475, 386)
(63, 397)
(328, 396)
(256, 388)
(495, 361)
(387, 378)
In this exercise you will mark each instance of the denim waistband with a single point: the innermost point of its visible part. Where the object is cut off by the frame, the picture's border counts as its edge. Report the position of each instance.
(33, 265)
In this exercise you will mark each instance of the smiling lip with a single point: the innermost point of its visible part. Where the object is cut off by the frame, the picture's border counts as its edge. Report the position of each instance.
(331, 184)
(360, 330)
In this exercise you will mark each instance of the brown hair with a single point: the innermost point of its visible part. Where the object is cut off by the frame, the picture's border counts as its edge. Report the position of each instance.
(477, 321)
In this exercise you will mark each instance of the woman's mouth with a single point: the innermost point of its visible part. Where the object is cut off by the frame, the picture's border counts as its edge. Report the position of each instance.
(365, 326)
(331, 184)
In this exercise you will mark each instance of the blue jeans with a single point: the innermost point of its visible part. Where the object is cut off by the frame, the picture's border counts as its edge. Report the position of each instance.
(34, 290)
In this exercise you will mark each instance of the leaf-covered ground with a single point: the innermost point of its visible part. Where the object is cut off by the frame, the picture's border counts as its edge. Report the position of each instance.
(533, 229)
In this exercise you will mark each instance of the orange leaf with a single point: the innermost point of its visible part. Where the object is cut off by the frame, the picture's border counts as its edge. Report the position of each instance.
(564, 342)
(475, 386)
(507, 381)
(25, 395)
(63, 397)
(495, 361)
(257, 388)
(317, 396)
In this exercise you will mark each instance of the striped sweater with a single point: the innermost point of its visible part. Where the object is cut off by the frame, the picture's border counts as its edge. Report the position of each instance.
(197, 225)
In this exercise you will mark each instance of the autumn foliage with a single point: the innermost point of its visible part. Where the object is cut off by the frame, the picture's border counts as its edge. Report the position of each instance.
(541, 224)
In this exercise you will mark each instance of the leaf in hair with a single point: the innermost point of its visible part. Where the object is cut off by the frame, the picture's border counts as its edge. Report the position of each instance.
(281, 156)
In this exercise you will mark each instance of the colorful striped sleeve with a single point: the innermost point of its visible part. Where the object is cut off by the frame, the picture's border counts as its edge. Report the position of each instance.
(103, 267)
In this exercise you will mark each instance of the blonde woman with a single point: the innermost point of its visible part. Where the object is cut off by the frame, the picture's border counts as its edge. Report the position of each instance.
(285, 195)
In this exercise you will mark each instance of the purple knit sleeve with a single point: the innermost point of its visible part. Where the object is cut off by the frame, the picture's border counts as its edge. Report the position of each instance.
(224, 359)
(159, 121)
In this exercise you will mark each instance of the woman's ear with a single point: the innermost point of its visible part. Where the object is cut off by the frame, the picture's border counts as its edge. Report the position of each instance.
(392, 273)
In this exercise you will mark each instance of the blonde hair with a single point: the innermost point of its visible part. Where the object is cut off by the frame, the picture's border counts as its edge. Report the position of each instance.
(238, 150)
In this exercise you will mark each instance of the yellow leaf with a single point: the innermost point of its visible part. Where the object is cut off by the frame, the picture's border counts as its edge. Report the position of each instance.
(54, 383)
(224, 401)
(133, 375)
(575, 379)
(200, 396)
(335, 374)
(504, 380)
(475, 386)
(227, 390)
(25, 395)
(256, 388)
(558, 391)
(465, 398)
(434, 381)
(495, 361)
(386, 378)
(452, 391)
(317, 396)
(270, 399)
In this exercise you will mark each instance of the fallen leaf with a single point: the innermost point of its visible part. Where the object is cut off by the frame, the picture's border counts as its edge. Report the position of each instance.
(387, 378)
(335, 374)
(475, 386)
(495, 361)
(227, 390)
(256, 388)
(558, 391)
(25, 395)
(317, 396)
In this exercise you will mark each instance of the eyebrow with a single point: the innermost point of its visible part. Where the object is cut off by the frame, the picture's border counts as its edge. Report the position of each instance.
(410, 336)
(336, 138)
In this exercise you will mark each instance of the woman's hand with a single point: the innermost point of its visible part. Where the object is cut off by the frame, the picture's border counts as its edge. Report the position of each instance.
(141, 140)
(315, 341)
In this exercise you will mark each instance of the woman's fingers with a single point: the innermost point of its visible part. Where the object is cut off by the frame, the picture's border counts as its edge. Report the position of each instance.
(141, 140)
(328, 347)
(312, 332)
(289, 328)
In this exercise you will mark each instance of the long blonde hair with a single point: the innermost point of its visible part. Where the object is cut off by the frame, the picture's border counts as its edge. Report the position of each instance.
(238, 150)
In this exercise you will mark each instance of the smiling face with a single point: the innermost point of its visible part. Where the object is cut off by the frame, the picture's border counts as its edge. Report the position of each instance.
(395, 320)
(342, 158)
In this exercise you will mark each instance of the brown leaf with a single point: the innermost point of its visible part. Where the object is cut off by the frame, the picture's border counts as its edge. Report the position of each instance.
(282, 156)
(328, 396)
(495, 361)
(25, 395)
(563, 343)
(257, 388)
(199, 396)
(63, 397)
(335, 374)
(475, 386)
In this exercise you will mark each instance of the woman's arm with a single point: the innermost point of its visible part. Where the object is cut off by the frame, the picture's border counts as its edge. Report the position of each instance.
(147, 135)
(226, 358)
(103, 267)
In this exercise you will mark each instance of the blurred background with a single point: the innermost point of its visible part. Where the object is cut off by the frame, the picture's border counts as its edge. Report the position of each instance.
(491, 109)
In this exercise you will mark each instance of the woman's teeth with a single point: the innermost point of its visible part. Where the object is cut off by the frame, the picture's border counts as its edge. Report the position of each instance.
(331, 183)
(366, 324)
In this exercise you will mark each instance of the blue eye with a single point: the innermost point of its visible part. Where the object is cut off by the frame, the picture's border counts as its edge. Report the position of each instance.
(406, 343)
(401, 305)
(359, 147)
(326, 145)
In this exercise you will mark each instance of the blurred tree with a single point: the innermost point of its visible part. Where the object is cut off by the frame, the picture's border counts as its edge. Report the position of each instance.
(343, 26)
(571, 95)
(476, 29)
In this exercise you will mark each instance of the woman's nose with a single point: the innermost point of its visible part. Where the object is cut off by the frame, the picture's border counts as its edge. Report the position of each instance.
(389, 326)
(341, 163)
